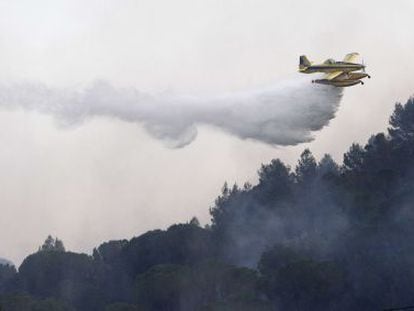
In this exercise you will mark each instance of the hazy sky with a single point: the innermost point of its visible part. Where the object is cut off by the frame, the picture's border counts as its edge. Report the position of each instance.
(108, 179)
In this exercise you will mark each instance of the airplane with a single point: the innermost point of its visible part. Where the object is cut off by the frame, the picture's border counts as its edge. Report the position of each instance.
(337, 73)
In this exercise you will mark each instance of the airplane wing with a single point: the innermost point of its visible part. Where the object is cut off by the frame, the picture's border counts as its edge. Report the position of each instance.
(332, 75)
(351, 57)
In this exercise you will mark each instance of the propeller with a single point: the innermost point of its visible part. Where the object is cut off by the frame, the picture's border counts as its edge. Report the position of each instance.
(363, 69)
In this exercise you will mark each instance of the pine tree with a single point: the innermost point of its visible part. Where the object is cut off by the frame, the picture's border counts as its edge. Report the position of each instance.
(51, 244)
(306, 167)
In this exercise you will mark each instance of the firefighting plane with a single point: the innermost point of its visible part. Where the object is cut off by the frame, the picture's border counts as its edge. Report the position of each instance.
(337, 73)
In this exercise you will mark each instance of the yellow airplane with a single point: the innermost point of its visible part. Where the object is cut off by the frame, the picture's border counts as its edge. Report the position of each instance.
(337, 73)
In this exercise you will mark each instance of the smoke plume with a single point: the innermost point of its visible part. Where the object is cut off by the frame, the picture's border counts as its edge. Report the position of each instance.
(285, 113)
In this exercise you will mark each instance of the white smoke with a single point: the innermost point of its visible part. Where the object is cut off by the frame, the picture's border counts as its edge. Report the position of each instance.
(283, 114)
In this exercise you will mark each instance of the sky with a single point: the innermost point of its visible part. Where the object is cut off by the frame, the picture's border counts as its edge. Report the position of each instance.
(108, 179)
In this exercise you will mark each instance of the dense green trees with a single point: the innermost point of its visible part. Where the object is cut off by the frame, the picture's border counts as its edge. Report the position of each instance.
(24, 302)
(318, 236)
(180, 244)
(64, 275)
(121, 306)
(209, 285)
(298, 282)
(8, 275)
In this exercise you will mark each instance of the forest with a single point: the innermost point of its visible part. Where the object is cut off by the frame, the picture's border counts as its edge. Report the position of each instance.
(319, 236)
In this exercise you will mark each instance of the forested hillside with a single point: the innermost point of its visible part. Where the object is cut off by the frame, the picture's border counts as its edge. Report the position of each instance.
(319, 236)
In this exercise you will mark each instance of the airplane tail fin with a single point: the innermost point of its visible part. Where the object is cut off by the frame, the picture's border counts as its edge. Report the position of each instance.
(304, 62)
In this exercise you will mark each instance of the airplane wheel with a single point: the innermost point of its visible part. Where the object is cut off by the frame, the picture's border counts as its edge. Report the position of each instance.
(362, 83)
(369, 77)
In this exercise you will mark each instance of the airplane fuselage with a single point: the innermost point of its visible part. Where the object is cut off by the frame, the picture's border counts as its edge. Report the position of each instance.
(341, 66)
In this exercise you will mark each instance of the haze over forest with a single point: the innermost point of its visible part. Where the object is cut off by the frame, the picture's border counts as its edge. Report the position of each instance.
(320, 236)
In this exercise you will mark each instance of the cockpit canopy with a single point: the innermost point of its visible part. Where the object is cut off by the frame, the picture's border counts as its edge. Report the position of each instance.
(329, 61)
